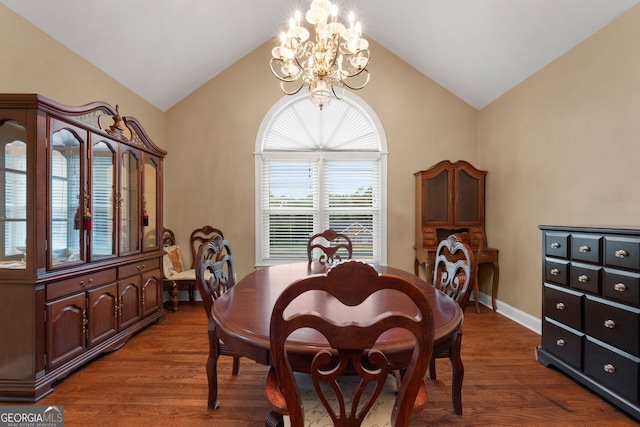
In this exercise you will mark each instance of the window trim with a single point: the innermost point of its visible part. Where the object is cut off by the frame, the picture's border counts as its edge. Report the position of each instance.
(260, 155)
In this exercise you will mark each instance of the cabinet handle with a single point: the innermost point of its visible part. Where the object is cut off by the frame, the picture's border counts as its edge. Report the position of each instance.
(560, 306)
(560, 342)
(583, 279)
(619, 287)
(621, 253)
(584, 249)
(609, 368)
(555, 245)
(555, 272)
(609, 324)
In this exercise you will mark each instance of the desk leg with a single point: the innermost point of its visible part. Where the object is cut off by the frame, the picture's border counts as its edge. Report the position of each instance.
(494, 285)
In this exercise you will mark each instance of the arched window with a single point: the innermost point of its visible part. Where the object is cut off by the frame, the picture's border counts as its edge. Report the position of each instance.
(317, 170)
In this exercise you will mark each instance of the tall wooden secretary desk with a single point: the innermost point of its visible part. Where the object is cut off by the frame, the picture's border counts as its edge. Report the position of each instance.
(450, 199)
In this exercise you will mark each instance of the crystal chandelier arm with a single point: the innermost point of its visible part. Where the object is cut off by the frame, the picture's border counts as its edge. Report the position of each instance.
(358, 87)
(286, 92)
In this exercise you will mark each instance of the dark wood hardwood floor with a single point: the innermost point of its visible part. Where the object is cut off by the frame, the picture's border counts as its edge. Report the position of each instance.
(158, 379)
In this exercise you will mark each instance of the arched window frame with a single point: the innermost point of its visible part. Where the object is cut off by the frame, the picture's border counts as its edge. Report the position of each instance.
(345, 131)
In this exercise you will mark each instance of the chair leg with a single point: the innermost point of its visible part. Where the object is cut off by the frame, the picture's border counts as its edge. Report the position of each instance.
(236, 366)
(212, 370)
(457, 369)
(431, 373)
(191, 290)
(173, 296)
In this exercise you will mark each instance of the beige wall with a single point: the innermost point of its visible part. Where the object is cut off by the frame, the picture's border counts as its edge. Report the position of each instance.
(33, 62)
(562, 148)
(211, 137)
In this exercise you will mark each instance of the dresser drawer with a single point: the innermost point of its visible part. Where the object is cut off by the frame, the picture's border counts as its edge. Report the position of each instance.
(621, 286)
(613, 323)
(586, 247)
(138, 267)
(622, 252)
(80, 283)
(556, 271)
(614, 369)
(586, 278)
(563, 305)
(564, 343)
(556, 244)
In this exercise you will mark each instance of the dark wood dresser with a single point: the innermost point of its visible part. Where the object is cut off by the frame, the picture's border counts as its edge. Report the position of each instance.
(591, 309)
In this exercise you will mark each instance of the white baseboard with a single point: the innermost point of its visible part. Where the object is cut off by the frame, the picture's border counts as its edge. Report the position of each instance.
(518, 316)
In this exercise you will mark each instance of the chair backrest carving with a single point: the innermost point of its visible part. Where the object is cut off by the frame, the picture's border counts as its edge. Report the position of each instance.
(215, 272)
(198, 237)
(454, 271)
(168, 238)
(353, 343)
(328, 243)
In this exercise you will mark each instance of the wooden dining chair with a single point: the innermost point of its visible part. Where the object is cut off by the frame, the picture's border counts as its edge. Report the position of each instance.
(455, 274)
(214, 276)
(176, 274)
(353, 382)
(325, 246)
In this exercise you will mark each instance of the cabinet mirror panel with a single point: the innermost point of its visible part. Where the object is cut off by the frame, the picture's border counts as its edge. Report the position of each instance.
(102, 201)
(149, 202)
(13, 174)
(468, 196)
(129, 210)
(67, 198)
(437, 203)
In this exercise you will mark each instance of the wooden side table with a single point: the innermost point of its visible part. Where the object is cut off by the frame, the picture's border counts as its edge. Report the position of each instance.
(426, 257)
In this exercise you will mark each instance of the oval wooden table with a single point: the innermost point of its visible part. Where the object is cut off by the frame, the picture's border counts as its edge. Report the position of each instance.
(242, 316)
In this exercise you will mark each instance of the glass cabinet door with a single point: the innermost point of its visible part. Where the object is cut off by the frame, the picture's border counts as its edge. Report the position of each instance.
(13, 186)
(129, 203)
(102, 243)
(149, 205)
(68, 198)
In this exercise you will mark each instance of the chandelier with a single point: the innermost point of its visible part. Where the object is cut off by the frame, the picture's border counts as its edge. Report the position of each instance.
(337, 59)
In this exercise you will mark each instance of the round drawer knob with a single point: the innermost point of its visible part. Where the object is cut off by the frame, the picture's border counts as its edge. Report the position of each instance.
(555, 245)
(555, 272)
(609, 368)
(560, 342)
(560, 306)
(584, 249)
(621, 253)
(609, 324)
(583, 279)
(619, 287)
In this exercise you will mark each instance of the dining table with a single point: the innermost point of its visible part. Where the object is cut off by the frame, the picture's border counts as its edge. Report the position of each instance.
(242, 315)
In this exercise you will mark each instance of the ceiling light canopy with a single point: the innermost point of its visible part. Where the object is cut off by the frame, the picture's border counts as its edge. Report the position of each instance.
(337, 59)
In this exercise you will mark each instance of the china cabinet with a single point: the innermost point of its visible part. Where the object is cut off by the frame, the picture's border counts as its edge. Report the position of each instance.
(591, 309)
(80, 246)
(449, 200)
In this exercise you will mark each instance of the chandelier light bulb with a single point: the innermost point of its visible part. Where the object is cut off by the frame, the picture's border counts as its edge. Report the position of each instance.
(336, 58)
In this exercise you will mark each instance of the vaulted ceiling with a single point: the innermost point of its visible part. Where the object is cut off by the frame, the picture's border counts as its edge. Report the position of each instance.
(477, 49)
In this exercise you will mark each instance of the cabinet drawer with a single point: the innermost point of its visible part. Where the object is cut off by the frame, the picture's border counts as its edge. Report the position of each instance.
(613, 323)
(556, 244)
(621, 286)
(585, 278)
(555, 271)
(612, 368)
(622, 252)
(586, 247)
(563, 305)
(79, 283)
(566, 344)
(138, 267)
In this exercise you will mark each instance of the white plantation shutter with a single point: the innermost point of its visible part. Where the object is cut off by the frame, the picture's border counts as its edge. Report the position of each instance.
(317, 170)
